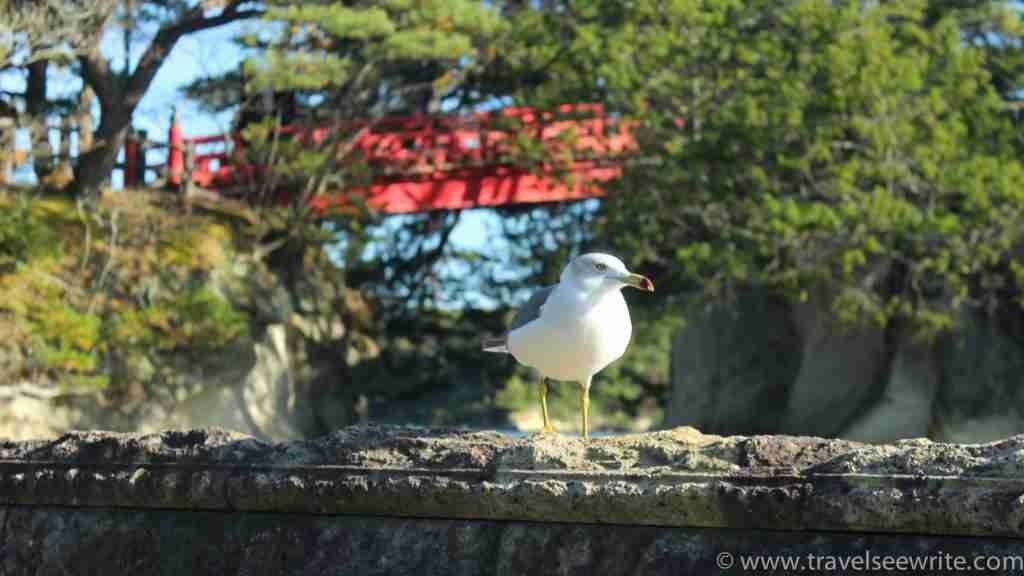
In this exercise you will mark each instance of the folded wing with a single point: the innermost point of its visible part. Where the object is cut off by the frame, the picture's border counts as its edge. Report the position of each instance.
(526, 314)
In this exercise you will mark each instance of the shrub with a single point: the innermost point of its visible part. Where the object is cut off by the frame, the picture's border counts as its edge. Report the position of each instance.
(23, 235)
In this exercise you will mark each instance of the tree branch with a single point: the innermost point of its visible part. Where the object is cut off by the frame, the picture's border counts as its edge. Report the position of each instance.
(167, 37)
(196, 21)
(50, 29)
(95, 73)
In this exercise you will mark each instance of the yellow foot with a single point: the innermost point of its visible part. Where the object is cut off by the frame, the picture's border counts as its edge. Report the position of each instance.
(548, 430)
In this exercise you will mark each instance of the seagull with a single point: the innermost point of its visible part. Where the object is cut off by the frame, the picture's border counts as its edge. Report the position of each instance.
(572, 330)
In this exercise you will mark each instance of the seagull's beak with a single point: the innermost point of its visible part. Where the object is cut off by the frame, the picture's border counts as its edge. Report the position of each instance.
(637, 281)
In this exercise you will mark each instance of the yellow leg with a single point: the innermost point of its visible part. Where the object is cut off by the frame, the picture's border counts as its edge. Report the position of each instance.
(544, 406)
(585, 405)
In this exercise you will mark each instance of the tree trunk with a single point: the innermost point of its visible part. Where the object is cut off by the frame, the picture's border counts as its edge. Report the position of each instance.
(7, 150)
(38, 109)
(116, 106)
(96, 165)
(85, 120)
(120, 96)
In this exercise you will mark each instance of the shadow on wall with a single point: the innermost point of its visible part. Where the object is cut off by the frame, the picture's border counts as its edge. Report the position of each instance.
(767, 367)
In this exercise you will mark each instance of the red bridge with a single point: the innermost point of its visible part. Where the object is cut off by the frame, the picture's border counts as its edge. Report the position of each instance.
(424, 163)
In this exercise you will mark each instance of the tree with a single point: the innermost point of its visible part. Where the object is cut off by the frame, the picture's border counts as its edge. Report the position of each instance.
(34, 30)
(350, 65)
(345, 67)
(865, 147)
(993, 27)
(120, 93)
(33, 35)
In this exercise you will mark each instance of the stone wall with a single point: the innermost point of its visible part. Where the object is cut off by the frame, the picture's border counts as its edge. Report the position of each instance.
(376, 500)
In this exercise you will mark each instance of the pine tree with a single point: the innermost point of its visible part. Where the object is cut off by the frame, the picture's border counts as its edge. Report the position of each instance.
(344, 63)
(870, 147)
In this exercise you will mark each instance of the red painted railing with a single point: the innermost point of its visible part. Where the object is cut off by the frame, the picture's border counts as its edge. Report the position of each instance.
(424, 163)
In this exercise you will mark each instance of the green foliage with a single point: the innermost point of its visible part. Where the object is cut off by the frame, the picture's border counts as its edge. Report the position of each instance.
(861, 146)
(52, 30)
(195, 321)
(337, 47)
(73, 311)
(23, 235)
(517, 394)
(366, 59)
(194, 246)
(58, 337)
(356, 63)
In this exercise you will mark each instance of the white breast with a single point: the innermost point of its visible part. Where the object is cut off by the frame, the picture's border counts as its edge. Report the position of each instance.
(574, 339)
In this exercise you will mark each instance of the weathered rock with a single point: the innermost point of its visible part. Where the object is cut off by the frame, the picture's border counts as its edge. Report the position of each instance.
(770, 367)
(199, 543)
(161, 360)
(730, 374)
(28, 416)
(404, 500)
(980, 391)
(841, 371)
(905, 408)
(247, 386)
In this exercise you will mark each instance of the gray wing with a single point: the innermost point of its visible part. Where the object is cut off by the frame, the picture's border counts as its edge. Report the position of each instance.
(531, 310)
(526, 314)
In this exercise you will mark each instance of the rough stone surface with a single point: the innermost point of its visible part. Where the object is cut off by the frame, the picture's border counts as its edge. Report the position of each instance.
(404, 500)
(193, 543)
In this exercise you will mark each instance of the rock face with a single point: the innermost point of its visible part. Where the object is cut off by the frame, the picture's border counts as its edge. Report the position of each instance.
(771, 368)
(154, 315)
(728, 374)
(248, 387)
(379, 500)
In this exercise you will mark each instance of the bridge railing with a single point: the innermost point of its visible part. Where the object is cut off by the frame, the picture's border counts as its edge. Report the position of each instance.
(420, 146)
(416, 163)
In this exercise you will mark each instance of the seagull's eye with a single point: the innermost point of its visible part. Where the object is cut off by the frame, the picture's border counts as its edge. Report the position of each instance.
(600, 267)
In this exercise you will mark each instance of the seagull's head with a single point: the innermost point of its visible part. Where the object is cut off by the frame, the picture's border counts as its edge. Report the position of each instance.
(595, 271)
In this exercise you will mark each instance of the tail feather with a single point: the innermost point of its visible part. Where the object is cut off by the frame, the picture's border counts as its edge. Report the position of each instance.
(496, 344)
